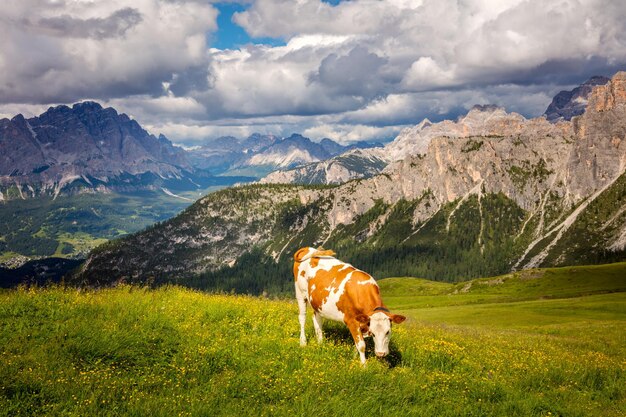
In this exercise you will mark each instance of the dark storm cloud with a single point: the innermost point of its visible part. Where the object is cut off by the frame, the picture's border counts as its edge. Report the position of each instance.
(566, 71)
(193, 79)
(356, 74)
(65, 25)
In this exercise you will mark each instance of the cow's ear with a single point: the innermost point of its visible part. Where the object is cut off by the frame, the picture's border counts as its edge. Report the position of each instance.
(397, 318)
(364, 328)
(299, 254)
(363, 319)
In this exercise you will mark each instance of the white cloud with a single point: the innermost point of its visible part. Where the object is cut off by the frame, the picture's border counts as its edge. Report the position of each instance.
(348, 133)
(425, 74)
(66, 51)
(361, 67)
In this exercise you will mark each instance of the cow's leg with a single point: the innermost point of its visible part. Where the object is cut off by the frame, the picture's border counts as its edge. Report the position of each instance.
(301, 317)
(355, 330)
(317, 323)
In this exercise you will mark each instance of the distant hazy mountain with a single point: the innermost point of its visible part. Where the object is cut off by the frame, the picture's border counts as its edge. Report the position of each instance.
(352, 164)
(265, 153)
(568, 104)
(68, 149)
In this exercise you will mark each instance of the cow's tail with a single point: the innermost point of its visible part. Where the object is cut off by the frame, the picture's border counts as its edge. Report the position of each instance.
(305, 253)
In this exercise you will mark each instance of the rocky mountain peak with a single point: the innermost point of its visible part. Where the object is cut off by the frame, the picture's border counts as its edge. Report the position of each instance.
(612, 93)
(424, 124)
(331, 146)
(567, 104)
(297, 138)
(66, 144)
(19, 118)
(87, 106)
(256, 142)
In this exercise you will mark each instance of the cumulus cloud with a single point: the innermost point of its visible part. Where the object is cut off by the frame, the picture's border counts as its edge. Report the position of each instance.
(65, 51)
(358, 68)
(355, 74)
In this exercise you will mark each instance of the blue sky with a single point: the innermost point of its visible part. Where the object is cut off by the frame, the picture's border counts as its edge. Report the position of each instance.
(229, 35)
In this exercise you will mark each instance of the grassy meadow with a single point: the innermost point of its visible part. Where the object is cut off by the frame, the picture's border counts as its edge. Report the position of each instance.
(533, 343)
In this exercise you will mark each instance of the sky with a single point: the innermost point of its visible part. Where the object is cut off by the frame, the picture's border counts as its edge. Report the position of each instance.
(348, 70)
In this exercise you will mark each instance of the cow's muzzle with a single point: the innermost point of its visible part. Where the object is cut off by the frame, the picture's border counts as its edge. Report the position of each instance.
(381, 354)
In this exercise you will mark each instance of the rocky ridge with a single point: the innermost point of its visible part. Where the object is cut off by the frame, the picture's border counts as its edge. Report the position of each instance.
(353, 164)
(481, 120)
(85, 143)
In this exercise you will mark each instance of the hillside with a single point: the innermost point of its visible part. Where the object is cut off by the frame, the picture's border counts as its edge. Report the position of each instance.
(538, 194)
(133, 351)
(528, 285)
(70, 226)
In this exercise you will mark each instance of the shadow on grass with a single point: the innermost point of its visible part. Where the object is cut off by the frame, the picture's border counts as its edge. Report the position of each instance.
(339, 333)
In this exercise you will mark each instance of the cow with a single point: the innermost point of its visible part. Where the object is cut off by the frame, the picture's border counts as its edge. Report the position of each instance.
(338, 291)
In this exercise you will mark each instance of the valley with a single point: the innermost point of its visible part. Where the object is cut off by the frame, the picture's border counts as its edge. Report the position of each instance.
(71, 226)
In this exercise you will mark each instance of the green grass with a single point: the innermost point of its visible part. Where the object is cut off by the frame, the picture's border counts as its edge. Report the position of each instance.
(78, 242)
(7, 256)
(532, 284)
(174, 351)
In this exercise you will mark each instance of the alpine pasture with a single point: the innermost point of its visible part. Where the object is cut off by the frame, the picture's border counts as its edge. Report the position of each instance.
(533, 343)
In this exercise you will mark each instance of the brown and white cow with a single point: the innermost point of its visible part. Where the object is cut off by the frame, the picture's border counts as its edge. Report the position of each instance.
(338, 291)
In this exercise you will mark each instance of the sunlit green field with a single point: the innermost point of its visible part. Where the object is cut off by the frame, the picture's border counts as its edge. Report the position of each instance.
(539, 343)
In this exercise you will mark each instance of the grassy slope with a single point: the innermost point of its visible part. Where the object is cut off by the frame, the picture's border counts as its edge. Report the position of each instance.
(566, 282)
(129, 351)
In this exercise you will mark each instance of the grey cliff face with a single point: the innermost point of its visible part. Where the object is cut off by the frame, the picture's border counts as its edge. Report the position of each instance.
(83, 141)
(599, 154)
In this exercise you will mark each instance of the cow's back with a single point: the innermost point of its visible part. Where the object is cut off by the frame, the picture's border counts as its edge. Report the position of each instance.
(336, 289)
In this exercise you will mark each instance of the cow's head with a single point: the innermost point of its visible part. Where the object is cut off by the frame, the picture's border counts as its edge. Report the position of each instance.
(378, 325)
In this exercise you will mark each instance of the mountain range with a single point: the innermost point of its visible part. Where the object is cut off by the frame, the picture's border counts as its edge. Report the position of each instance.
(260, 154)
(490, 192)
(414, 140)
(84, 147)
(88, 148)
(78, 175)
